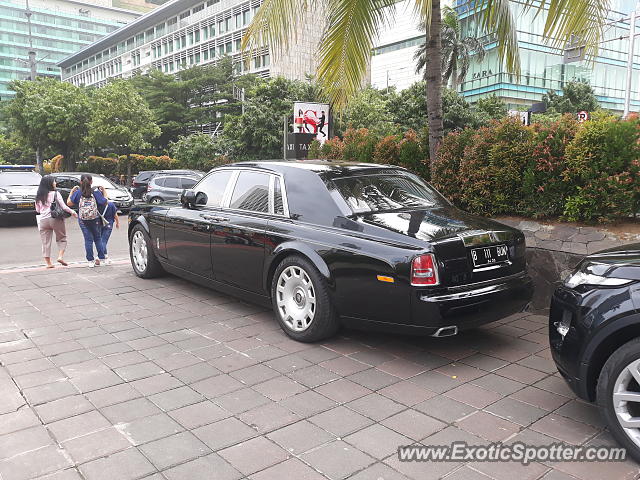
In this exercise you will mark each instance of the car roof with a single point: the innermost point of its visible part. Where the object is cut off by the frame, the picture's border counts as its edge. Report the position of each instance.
(331, 169)
(187, 175)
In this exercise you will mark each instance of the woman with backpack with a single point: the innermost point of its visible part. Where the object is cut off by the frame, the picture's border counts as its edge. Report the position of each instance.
(88, 201)
(51, 212)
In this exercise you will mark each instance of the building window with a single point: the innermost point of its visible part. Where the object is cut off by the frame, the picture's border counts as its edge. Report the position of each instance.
(190, 35)
(184, 15)
(228, 47)
(221, 27)
(196, 36)
(205, 55)
(197, 8)
(197, 58)
(238, 43)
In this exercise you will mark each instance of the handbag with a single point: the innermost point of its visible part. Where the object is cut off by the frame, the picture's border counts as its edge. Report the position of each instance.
(56, 210)
(105, 222)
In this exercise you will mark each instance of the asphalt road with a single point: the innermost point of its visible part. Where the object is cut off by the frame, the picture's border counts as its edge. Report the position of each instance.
(20, 244)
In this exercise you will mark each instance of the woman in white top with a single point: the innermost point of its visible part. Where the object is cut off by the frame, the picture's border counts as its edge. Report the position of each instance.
(47, 225)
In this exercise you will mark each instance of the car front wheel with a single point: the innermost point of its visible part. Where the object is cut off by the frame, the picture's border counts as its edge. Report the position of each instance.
(618, 396)
(301, 301)
(143, 259)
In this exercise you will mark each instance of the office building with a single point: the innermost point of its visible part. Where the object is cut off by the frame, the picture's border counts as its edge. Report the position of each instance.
(184, 33)
(58, 28)
(543, 66)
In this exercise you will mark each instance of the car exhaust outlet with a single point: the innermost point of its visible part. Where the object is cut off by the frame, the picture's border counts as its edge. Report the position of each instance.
(446, 331)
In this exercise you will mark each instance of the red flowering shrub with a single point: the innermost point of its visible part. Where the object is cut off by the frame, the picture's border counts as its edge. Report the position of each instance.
(492, 167)
(332, 149)
(359, 145)
(603, 169)
(544, 190)
(411, 156)
(445, 169)
(386, 151)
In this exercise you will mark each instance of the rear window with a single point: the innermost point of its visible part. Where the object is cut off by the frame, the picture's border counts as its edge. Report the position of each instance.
(375, 193)
(144, 176)
(188, 182)
(8, 179)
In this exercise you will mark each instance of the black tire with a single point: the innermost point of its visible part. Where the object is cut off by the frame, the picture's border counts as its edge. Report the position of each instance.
(614, 365)
(152, 268)
(325, 322)
(155, 201)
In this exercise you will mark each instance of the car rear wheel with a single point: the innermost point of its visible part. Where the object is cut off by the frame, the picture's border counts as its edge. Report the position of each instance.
(618, 396)
(301, 301)
(155, 200)
(143, 259)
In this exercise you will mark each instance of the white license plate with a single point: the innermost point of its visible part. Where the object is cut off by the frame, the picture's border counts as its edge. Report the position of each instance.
(489, 255)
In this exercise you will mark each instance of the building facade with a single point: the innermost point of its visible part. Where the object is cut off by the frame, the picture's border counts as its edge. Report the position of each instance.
(58, 28)
(184, 33)
(543, 66)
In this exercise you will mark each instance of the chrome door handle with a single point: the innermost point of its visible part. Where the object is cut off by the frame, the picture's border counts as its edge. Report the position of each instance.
(214, 218)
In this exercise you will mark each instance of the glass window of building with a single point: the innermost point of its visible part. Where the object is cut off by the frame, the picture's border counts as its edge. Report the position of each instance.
(190, 38)
(238, 43)
(197, 8)
(196, 35)
(221, 27)
(238, 20)
(197, 57)
(228, 47)
(184, 15)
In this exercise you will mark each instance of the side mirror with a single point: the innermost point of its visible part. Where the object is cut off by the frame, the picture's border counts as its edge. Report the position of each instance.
(191, 198)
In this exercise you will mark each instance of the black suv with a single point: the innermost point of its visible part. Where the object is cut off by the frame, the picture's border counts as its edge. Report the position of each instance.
(594, 332)
(18, 188)
(140, 182)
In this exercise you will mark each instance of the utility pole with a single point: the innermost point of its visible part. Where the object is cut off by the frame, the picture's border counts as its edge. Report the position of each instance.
(284, 137)
(632, 41)
(33, 75)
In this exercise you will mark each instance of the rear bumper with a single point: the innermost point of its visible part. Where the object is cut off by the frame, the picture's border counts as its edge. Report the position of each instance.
(464, 307)
(10, 210)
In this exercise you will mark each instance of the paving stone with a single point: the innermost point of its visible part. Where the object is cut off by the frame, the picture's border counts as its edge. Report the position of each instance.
(292, 468)
(254, 455)
(375, 406)
(406, 393)
(280, 388)
(147, 429)
(377, 441)
(340, 421)
(564, 429)
(156, 384)
(301, 437)
(510, 470)
(63, 408)
(373, 379)
(211, 467)
(128, 411)
(49, 392)
(472, 395)
(540, 398)
(444, 409)
(378, 471)
(516, 411)
(112, 395)
(176, 398)
(307, 403)
(224, 433)
(242, 400)
(217, 386)
(342, 390)
(488, 426)
(34, 464)
(337, 459)
(313, 376)
(95, 445)
(24, 441)
(254, 374)
(173, 450)
(199, 414)
(269, 417)
(126, 465)
(78, 425)
(18, 420)
(413, 424)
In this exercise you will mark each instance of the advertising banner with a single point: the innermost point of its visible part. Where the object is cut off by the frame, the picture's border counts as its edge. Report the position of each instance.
(311, 118)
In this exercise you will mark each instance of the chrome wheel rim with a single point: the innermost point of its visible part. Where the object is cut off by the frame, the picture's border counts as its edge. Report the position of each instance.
(626, 400)
(139, 253)
(296, 298)
(156, 201)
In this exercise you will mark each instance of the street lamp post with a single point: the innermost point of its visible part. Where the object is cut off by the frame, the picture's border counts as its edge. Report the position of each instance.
(632, 41)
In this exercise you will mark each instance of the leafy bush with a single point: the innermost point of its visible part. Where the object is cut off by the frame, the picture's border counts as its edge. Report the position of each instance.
(445, 169)
(387, 151)
(359, 145)
(314, 149)
(544, 190)
(492, 167)
(411, 156)
(118, 165)
(603, 168)
(198, 151)
(332, 149)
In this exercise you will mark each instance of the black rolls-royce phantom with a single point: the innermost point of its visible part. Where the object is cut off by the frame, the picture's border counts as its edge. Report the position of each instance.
(328, 244)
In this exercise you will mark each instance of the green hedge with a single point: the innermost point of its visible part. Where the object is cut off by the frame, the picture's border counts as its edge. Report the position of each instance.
(581, 172)
(118, 165)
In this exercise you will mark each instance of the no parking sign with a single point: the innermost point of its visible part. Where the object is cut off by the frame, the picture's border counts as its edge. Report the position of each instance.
(583, 116)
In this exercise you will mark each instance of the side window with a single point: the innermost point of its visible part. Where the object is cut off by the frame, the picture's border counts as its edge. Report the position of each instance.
(214, 186)
(172, 182)
(64, 182)
(188, 182)
(278, 206)
(251, 192)
(159, 182)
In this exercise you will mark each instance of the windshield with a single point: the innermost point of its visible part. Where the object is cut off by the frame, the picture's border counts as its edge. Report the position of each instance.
(102, 182)
(11, 179)
(375, 193)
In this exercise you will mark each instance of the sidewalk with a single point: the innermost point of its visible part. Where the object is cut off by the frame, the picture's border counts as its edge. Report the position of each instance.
(105, 376)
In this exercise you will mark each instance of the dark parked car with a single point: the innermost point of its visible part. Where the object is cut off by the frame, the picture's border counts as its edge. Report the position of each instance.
(18, 188)
(169, 187)
(329, 244)
(140, 182)
(117, 193)
(594, 332)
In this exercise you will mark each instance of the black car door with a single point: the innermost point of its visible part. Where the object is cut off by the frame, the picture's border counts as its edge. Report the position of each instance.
(64, 185)
(188, 230)
(238, 237)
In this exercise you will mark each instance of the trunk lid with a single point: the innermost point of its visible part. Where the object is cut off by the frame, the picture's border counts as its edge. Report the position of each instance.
(455, 237)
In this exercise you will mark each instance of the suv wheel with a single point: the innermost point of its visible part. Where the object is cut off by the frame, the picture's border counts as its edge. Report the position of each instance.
(155, 201)
(301, 301)
(618, 395)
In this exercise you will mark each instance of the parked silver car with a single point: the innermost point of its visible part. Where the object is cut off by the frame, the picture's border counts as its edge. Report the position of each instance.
(169, 187)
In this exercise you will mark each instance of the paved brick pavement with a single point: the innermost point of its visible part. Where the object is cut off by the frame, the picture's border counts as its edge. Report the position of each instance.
(107, 376)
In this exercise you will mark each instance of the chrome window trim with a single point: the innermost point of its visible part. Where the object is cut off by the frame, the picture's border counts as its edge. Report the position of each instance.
(272, 178)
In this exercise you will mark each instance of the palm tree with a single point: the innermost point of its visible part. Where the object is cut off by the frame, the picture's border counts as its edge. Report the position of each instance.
(456, 50)
(353, 25)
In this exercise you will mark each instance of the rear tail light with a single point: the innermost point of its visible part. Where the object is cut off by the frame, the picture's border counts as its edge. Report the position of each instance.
(149, 187)
(424, 270)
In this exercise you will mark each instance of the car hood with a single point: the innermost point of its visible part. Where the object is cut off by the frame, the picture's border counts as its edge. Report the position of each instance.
(623, 261)
(117, 193)
(435, 224)
(29, 190)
